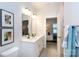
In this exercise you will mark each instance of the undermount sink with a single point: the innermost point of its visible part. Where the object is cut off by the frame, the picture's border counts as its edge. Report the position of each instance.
(29, 37)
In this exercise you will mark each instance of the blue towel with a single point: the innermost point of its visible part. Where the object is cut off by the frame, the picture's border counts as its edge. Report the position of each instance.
(73, 46)
(70, 51)
(77, 41)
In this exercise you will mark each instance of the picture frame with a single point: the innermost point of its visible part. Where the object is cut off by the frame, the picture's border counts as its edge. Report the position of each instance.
(6, 27)
(7, 18)
(7, 36)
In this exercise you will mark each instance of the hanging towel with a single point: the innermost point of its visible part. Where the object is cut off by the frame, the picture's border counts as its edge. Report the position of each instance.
(64, 45)
(70, 51)
(77, 37)
(77, 41)
(74, 42)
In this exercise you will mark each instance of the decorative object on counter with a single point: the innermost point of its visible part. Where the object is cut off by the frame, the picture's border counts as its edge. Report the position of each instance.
(33, 34)
(28, 36)
(6, 27)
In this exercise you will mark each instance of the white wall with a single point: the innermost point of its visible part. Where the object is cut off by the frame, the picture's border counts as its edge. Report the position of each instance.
(71, 13)
(14, 8)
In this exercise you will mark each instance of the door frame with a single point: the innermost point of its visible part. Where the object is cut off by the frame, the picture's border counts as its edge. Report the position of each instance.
(60, 35)
(50, 18)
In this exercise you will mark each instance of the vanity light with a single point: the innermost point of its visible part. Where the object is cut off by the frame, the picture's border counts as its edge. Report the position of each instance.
(26, 12)
(34, 16)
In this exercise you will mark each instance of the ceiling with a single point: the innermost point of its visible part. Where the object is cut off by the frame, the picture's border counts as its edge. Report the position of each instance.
(44, 8)
(41, 5)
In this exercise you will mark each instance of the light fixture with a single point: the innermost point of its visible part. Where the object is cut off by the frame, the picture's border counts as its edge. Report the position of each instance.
(26, 11)
(34, 16)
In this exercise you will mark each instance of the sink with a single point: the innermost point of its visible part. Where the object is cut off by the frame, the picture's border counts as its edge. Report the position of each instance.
(30, 38)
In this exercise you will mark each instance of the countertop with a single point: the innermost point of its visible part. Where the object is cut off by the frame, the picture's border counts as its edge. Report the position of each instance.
(32, 39)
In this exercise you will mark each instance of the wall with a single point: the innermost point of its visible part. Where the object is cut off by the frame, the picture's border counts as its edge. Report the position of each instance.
(35, 23)
(71, 13)
(14, 8)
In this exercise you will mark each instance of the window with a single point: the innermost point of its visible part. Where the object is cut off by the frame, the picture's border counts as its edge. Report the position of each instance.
(54, 28)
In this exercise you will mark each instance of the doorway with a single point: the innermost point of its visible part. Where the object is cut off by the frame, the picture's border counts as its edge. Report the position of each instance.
(51, 36)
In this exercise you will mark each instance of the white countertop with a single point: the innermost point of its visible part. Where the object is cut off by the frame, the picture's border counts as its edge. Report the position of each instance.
(32, 39)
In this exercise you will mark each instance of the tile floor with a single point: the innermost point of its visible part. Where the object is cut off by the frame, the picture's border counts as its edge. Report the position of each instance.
(50, 51)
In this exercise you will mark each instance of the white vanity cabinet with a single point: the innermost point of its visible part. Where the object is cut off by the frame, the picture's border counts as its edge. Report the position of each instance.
(32, 47)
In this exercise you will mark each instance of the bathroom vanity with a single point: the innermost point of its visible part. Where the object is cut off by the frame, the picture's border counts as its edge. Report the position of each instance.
(32, 47)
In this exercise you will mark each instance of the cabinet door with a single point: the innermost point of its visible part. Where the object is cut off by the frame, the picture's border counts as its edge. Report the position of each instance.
(27, 49)
(40, 44)
(37, 52)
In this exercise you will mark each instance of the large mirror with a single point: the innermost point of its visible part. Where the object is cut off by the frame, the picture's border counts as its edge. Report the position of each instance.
(26, 25)
(29, 25)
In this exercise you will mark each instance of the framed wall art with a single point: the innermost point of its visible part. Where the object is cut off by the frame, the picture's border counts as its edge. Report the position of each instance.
(7, 18)
(6, 36)
(6, 27)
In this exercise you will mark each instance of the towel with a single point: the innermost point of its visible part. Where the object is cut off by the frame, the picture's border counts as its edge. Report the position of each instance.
(77, 41)
(70, 50)
(64, 45)
(77, 36)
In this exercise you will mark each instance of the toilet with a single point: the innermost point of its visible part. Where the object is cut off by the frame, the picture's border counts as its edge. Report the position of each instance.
(13, 52)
